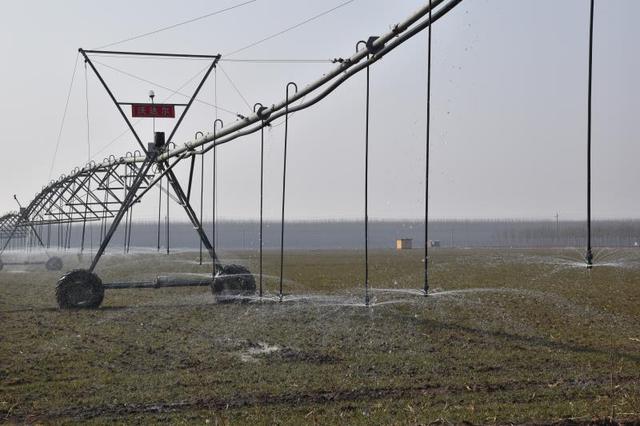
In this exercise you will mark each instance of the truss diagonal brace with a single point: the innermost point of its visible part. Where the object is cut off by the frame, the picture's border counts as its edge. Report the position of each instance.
(126, 204)
(190, 212)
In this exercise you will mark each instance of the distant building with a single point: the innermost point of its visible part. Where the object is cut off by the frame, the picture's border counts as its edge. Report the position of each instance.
(404, 244)
(433, 243)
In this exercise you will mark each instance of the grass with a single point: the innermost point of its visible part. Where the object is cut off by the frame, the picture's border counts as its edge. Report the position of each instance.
(509, 336)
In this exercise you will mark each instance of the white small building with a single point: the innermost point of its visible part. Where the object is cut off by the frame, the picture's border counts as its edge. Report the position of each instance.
(404, 244)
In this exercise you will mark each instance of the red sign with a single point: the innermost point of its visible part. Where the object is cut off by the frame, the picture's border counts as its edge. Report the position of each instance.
(153, 110)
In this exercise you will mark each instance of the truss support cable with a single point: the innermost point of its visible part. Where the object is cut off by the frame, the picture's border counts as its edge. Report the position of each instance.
(201, 197)
(233, 85)
(299, 24)
(65, 230)
(103, 225)
(126, 215)
(366, 194)
(84, 218)
(257, 108)
(349, 67)
(159, 213)
(69, 233)
(64, 116)
(35, 236)
(86, 95)
(426, 169)
(68, 237)
(261, 204)
(214, 235)
(282, 61)
(114, 100)
(167, 217)
(215, 158)
(589, 254)
(130, 223)
(284, 185)
(130, 228)
(213, 197)
(86, 203)
(188, 21)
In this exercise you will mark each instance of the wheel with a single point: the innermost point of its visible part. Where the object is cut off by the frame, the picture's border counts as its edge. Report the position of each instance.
(1, 265)
(53, 264)
(79, 289)
(233, 284)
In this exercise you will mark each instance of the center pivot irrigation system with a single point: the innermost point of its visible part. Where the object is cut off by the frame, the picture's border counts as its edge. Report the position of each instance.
(106, 192)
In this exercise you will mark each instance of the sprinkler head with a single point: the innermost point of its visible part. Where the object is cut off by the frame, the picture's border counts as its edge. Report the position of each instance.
(589, 259)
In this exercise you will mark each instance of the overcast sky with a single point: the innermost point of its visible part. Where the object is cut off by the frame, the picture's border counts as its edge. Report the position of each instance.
(508, 110)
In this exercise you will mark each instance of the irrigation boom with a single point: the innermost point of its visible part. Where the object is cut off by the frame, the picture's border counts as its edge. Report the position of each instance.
(125, 180)
(346, 69)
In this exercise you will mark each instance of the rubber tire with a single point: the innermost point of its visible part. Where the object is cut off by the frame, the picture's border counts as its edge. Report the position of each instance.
(79, 289)
(233, 283)
(1, 265)
(53, 264)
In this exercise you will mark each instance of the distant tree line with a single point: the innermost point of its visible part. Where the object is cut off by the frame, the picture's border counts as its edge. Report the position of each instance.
(350, 234)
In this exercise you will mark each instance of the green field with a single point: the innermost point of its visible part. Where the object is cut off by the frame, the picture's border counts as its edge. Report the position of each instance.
(522, 336)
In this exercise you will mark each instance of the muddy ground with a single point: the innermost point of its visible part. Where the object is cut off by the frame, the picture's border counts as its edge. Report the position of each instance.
(522, 336)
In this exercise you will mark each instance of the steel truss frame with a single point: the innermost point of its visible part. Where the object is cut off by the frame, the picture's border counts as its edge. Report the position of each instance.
(16, 225)
(73, 198)
(151, 153)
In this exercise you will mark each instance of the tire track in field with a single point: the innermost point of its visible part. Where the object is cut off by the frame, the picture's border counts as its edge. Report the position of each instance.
(303, 398)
